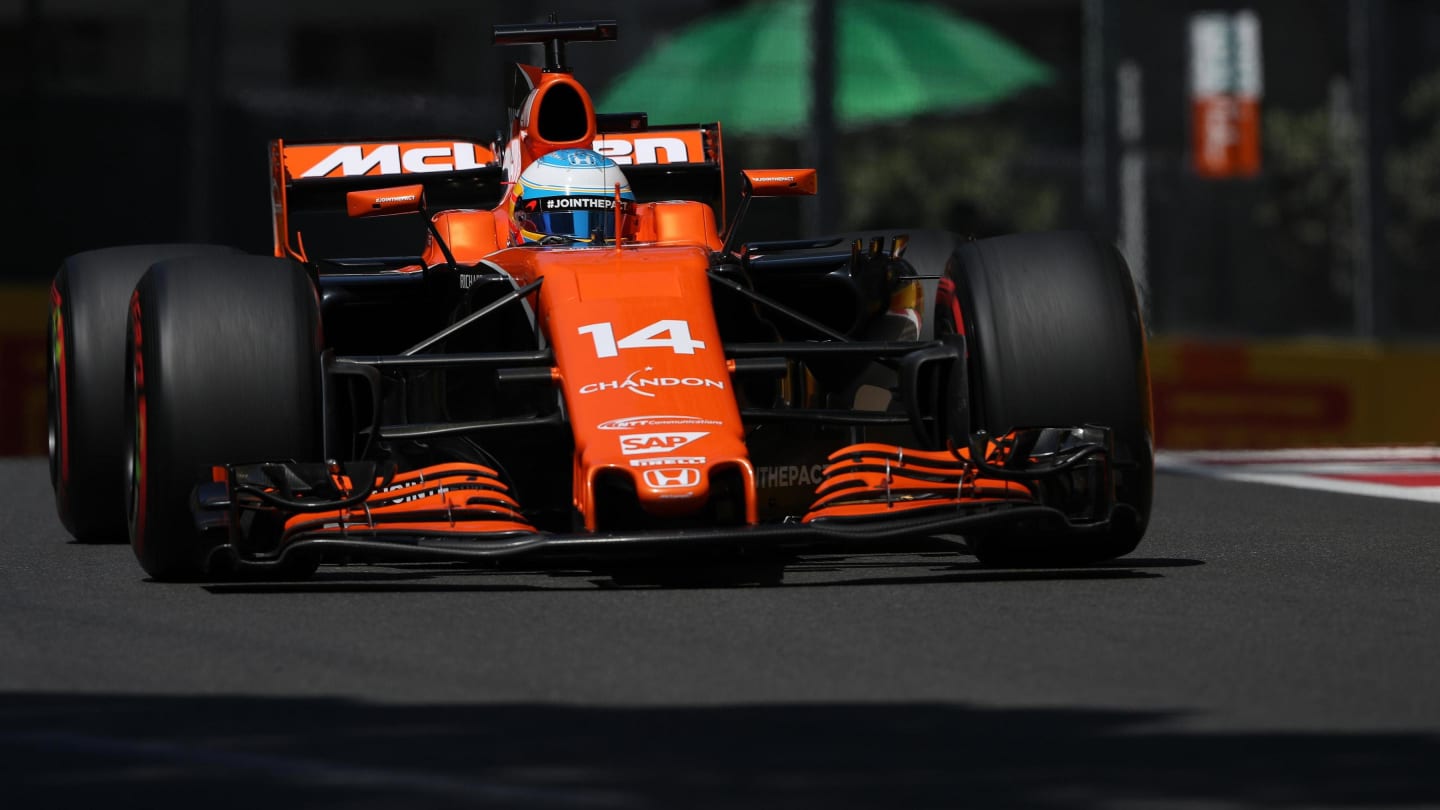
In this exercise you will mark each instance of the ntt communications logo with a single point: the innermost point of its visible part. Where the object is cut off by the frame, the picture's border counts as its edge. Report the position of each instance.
(658, 420)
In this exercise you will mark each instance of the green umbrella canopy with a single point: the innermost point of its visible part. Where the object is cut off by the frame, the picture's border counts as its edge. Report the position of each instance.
(750, 68)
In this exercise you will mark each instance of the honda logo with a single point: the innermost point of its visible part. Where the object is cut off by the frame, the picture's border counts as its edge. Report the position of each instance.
(673, 478)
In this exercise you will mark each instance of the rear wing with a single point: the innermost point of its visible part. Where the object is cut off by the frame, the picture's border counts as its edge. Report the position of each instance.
(309, 181)
(671, 162)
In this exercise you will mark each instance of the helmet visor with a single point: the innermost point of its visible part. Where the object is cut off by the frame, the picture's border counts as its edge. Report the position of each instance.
(584, 219)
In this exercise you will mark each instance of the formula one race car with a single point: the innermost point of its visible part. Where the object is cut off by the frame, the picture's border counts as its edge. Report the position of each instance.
(590, 369)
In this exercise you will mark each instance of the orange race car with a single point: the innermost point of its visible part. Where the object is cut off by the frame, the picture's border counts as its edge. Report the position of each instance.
(591, 368)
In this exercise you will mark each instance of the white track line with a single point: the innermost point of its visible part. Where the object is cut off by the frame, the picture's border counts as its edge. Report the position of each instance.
(1309, 468)
(1309, 454)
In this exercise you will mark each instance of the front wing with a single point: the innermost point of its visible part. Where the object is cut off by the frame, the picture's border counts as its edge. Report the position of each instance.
(871, 496)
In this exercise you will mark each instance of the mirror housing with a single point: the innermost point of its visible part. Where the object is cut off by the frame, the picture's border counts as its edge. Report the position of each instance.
(780, 182)
(767, 183)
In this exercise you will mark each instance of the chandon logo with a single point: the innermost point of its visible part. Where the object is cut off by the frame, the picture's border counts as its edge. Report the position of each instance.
(636, 384)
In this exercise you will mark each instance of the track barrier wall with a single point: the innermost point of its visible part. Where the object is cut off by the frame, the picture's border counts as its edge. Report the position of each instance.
(1293, 393)
(23, 310)
(1207, 394)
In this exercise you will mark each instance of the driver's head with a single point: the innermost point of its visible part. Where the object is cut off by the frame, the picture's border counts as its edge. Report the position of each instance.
(568, 197)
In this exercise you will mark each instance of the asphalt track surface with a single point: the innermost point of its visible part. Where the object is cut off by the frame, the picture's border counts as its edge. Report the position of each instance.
(1266, 647)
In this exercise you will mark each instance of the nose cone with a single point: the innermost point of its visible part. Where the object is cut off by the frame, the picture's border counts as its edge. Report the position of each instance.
(646, 383)
(672, 488)
(670, 469)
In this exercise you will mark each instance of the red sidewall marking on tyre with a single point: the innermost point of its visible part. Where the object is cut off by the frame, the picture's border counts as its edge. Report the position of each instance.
(57, 349)
(946, 295)
(140, 471)
(1406, 473)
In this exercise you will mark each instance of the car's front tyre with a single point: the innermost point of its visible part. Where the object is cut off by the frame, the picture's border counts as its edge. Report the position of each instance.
(89, 299)
(1056, 339)
(223, 368)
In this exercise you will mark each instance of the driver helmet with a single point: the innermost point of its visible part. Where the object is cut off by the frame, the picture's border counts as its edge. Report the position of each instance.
(568, 197)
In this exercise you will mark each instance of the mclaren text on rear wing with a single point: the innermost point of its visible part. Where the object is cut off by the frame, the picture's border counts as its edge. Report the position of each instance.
(309, 181)
(318, 161)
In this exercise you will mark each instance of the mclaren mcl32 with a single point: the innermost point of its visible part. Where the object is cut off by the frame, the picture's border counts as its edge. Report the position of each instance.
(405, 377)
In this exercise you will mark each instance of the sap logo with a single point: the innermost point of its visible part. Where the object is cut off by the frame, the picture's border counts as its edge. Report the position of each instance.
(633, 422)
(394, 158)
(668, 461)
(643, 150)
(673, 478)
(644, 443)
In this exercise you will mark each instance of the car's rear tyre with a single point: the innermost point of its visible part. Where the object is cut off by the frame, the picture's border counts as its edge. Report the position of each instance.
(89, 299)
(1056, 339)
(224, 368)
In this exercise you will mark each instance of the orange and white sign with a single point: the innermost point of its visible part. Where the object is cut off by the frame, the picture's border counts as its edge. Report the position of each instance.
(652, 146)
(781, 182)
(1226, 86)
(313, 161)
(1404, 473)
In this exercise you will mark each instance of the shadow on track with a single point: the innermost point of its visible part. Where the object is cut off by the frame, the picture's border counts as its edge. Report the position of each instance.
(184, 752)
(838, 572)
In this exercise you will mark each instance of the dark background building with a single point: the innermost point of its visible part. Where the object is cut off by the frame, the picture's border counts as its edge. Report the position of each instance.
(129, 121)
(137, 121)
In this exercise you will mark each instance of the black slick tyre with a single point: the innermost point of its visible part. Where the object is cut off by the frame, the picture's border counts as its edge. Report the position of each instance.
(1056, 339)
(89, 299)
(224, 368)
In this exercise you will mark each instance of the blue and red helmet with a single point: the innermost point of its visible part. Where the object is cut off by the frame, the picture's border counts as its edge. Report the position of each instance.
(568, 197)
